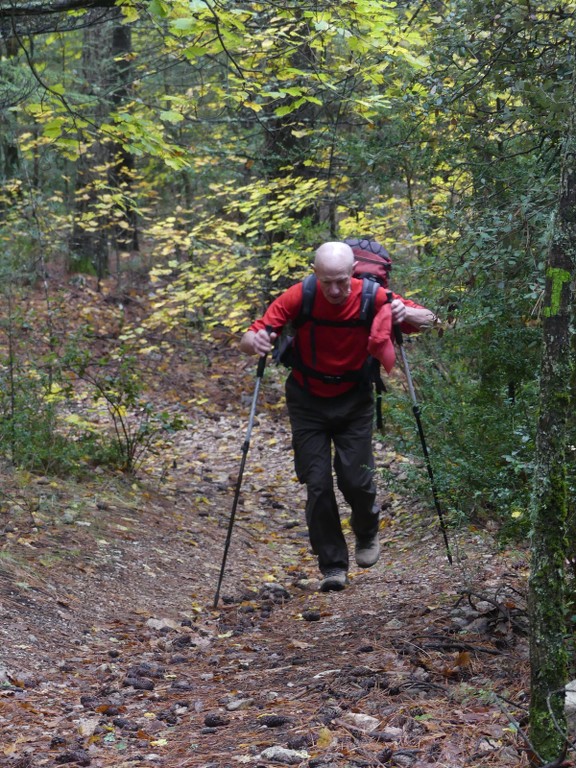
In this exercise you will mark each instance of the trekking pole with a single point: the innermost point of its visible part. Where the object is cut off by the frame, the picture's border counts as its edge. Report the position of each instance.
(416, 410)
(245, 447)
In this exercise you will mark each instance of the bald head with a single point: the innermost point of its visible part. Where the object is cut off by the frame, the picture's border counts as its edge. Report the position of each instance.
(333, 265)
(334, 256)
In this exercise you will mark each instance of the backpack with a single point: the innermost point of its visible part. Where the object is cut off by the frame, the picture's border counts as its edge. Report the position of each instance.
(373, 266)
(372, 259)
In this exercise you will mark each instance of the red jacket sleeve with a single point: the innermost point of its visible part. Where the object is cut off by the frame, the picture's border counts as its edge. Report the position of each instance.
(283, 309)
(380, 342)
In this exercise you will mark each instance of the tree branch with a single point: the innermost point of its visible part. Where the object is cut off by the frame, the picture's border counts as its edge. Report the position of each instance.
(31, 17)
(33, 8)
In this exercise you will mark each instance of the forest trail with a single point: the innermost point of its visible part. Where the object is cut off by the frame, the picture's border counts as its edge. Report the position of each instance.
(113, 655)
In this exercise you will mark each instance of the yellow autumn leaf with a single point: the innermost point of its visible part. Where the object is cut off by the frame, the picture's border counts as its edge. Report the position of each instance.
(11, 749)
(324, 738)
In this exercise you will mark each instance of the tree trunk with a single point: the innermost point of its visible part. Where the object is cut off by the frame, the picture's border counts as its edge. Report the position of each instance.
(547, 599)
(125, 232)
(89, 244)
(10, 158)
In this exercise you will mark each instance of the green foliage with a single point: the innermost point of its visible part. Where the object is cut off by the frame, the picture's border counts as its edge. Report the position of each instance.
(479, 434)
(31, 233)
(33, 434)
(117, 389)
(28, 434)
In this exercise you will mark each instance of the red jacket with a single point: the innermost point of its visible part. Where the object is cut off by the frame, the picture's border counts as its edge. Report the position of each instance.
(328, 349)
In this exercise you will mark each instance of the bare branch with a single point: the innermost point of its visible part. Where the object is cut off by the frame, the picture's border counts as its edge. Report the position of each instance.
(32, 17)
(12, 9)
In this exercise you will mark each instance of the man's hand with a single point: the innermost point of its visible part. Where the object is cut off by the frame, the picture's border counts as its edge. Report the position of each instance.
(417, 317)
(259, 343)
(263, 342)
(398, 311)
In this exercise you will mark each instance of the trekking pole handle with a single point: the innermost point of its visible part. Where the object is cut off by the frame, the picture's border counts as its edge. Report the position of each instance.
(262, 361)
(395, 327)
(261, 366)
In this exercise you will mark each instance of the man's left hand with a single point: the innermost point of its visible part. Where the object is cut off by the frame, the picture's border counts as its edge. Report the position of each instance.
(398, 311)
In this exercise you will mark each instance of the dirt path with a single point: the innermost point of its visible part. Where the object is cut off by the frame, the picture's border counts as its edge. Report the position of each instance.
(114, 656)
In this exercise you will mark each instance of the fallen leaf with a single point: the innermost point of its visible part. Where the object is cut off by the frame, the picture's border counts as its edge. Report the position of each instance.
(87, 726)
(324, 738)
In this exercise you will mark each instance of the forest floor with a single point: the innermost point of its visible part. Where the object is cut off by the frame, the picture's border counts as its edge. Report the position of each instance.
(114, 654)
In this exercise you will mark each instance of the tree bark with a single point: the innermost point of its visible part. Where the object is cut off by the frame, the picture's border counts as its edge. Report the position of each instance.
(547, 599)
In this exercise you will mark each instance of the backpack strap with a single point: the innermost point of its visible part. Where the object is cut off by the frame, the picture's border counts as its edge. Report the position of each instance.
(380, 388)
(308, 294)
(368, 301)
(369, 290)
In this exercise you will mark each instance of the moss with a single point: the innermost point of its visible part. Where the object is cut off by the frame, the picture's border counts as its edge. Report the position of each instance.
(544, 733)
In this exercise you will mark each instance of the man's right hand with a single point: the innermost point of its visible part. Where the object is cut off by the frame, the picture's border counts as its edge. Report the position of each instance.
(258, 343)
(263, 342)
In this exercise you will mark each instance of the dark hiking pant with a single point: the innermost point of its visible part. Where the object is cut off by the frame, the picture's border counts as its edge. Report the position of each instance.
(345, 422)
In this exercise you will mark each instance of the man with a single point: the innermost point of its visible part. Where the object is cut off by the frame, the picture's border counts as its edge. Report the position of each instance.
(330, 402)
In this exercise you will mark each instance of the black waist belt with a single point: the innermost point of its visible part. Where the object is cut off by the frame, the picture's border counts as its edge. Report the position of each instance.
(361, 374)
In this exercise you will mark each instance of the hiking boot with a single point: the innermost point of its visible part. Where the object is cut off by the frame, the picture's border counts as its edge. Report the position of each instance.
(367, 551)
(334, 580)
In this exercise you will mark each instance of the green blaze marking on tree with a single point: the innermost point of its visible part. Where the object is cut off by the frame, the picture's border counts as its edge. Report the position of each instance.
(558, 277)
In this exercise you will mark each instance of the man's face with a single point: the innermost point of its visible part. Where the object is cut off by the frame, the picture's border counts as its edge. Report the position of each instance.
(334, 282)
